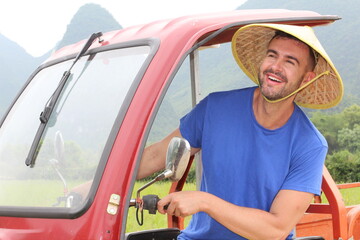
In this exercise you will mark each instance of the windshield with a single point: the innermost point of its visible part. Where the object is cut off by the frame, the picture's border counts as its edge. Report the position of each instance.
(76, 134)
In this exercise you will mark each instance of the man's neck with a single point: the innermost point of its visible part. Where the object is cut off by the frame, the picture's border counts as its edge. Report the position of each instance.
(271, 115)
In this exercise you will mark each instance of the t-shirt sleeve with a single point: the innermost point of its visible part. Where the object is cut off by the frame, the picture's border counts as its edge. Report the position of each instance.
(305, 174)
(192, 124)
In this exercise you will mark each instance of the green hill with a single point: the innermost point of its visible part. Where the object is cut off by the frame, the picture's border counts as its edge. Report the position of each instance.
(17, 65)
(89, 18)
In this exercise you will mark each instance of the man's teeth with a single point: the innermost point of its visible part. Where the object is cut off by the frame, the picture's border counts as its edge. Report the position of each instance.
(274, 79)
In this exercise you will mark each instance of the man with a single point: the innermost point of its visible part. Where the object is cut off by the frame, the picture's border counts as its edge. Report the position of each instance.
(262, 157)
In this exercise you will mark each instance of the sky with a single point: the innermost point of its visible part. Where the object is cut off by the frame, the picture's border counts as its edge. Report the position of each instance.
(37, 25)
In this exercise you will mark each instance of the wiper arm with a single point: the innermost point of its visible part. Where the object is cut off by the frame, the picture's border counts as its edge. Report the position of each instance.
(50, 105)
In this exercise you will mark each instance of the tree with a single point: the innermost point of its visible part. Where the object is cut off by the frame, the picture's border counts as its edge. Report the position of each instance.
(329, 125)
(350, 138)
(352, 115)
(342, 132)
(344, 166)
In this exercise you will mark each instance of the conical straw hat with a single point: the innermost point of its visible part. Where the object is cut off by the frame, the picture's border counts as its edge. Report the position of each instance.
(249, 46)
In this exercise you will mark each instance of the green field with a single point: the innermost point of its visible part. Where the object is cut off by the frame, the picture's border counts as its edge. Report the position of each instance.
(350, 196)
(37, 193)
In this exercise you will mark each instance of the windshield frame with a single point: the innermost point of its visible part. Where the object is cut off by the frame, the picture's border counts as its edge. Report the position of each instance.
(71, 213)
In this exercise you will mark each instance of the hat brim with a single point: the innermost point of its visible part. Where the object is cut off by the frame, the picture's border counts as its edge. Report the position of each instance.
(249, 46)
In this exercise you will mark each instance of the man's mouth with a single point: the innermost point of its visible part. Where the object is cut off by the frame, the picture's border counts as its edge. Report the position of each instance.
(274, 79)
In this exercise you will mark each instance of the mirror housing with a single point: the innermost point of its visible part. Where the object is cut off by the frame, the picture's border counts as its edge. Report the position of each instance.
(177, 159)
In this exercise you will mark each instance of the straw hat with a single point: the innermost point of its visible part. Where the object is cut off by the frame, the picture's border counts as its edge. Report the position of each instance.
(249, 46)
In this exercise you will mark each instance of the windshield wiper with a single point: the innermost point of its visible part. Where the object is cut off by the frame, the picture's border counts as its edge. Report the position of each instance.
(50, 105)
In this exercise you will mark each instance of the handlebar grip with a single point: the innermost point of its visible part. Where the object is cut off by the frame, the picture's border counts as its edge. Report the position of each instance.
(150, 203)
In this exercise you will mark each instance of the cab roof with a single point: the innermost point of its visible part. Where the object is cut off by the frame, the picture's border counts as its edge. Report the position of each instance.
(189, 29)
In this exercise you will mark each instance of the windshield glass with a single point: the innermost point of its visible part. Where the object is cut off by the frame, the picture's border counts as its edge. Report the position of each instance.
(76, 134)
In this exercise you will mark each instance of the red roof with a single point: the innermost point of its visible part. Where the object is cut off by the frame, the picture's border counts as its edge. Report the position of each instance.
(180, 30)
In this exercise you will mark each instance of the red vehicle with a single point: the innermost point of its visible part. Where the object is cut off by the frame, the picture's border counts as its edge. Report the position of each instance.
(86, 114)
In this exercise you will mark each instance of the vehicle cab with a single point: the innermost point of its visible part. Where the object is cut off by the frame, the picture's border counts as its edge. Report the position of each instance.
(84, 117)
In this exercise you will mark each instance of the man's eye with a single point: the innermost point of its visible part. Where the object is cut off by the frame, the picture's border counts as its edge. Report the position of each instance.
(291, 62)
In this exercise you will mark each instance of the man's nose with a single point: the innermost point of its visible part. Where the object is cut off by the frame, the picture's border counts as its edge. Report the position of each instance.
(277, 65)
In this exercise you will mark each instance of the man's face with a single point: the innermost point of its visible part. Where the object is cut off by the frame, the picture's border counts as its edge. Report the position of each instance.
(284, 68)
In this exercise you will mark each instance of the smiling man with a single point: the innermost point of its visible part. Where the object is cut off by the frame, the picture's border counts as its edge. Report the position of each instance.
(262, 157)
(286, 56)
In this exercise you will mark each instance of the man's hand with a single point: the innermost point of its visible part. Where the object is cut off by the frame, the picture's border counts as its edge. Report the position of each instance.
(183, 204)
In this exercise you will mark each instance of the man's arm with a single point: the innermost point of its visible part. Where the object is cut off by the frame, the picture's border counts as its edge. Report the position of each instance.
(287, 209)
(152, 160)
(154, 156)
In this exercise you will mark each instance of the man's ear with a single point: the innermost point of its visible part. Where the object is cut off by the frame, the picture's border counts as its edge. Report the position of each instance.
(308, 76)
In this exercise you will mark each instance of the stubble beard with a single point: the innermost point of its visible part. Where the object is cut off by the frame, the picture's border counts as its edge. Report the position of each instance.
(269, 93)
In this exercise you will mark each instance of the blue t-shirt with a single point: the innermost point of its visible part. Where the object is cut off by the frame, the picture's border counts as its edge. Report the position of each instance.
(245, 163)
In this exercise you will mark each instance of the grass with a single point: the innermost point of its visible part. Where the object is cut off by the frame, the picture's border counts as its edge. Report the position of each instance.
(351, 196)
(32, 192)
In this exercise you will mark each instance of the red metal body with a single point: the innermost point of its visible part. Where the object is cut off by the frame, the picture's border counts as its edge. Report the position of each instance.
(332, 220)
(176, 37)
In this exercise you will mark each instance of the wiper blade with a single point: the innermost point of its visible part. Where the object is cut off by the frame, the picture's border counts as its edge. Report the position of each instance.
(50, 105)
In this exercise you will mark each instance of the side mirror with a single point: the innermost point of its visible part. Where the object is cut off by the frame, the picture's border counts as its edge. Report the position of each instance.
(177, 159)
(59, 146)
(59, 149)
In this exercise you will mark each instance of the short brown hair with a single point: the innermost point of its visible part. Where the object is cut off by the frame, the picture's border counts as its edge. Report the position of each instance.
(313, 55)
